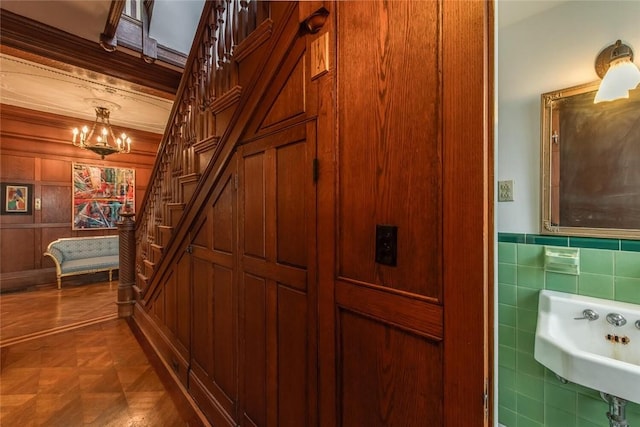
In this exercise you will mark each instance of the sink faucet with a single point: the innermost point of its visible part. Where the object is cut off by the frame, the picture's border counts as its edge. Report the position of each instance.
(616, 319)
(588, 314)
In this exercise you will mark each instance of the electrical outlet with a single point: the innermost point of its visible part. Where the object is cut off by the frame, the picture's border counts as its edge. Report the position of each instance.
(505, 191)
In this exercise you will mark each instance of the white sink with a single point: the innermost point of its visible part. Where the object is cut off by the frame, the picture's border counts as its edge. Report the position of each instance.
(585, 351)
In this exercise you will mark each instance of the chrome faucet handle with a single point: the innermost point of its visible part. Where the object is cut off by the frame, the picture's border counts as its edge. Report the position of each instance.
(589, 315)
(616, 319)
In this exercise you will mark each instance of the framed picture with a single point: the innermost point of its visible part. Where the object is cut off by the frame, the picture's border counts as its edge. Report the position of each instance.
(17, 199)
(99, 193)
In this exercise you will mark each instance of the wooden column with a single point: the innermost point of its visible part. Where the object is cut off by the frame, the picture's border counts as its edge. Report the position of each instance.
(127, 229)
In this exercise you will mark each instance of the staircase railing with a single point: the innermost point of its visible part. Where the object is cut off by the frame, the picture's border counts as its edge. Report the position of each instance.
(209, 74)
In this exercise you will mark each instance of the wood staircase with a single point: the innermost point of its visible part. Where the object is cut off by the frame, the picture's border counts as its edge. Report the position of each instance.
(208, 95)
(244, 79)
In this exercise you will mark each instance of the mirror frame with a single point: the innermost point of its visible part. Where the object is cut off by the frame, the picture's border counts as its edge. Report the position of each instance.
(548, 135)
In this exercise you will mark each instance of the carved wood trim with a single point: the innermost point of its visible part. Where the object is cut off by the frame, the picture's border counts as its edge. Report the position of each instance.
(107, 38)
(206, 144)
(192, 177)
(48, 42)
(225, 101)
(314, 22)
(254, 41)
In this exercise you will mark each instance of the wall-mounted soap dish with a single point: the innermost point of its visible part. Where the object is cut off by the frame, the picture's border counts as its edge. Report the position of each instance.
(562, 260)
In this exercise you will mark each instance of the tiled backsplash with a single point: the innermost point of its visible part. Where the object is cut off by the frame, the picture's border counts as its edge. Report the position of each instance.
(529, 394)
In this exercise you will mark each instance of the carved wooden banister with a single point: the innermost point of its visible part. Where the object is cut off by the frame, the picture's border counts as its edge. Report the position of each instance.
(208, 75)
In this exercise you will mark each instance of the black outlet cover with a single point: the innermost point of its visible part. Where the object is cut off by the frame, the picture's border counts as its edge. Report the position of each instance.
(387, 244)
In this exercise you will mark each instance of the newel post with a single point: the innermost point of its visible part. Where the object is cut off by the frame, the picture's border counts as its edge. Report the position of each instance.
(126, 276)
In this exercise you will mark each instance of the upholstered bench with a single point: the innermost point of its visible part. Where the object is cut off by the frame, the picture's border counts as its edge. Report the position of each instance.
(83, 255)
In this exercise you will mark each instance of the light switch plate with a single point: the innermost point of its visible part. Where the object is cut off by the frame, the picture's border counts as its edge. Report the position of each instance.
(320, 56)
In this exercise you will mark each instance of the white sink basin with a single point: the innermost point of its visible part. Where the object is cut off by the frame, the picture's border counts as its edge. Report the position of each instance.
(585, 351)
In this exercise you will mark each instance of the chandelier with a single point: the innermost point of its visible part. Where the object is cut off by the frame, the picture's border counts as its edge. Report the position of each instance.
(106, 142)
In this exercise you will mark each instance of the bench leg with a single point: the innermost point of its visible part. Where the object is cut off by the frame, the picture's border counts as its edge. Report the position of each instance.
(59, 282)
(110, 275)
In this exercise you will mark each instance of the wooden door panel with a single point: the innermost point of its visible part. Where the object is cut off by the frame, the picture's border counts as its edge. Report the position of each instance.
(290, 196)
(388, 376)
(223, 212)
(254, 205)
(390, 142)
(214, 329)
(183, 302)
(213, 346)
(170, 310)
(202, 314)
(278, 303)
(224, 354)
(292, 357)
(254, 364)
(157, 307)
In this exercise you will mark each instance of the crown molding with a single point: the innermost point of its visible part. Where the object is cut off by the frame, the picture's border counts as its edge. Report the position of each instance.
(37, 39)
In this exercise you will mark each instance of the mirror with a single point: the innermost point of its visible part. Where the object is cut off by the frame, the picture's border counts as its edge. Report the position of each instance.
(590, 162)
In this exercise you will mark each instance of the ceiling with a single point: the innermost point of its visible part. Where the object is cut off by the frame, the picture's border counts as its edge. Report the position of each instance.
(55, 88)
(514, 11)
(39, 87)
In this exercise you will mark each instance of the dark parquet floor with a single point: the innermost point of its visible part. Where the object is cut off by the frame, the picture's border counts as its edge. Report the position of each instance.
(67, 360)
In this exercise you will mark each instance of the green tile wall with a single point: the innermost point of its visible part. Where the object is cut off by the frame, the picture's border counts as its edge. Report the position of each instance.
(528, 393)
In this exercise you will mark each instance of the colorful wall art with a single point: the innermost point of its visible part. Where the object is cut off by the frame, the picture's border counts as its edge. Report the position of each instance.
(99, 194)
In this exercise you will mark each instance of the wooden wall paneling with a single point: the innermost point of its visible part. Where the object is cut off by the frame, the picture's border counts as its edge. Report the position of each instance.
(183, 304)
(223, 230)
(290, 101)
(157, 307)
(57, 205)
(382, 328)
(19, 168)
(293, 357)
(278, 362)
(254, 205)
(387, 375)
(202, 315)
(202, 234)
(55, 170)
(389, 173)
(291, 204)
(468, 165)
(171, 319)
(391, 153)
(17, 249)
(170, 300)
(253, 363)
(214, 332)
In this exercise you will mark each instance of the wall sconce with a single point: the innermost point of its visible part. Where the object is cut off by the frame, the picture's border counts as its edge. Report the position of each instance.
(619, 74)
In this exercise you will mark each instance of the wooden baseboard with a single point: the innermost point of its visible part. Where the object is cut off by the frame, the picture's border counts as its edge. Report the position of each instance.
(23, 280)
(156, 347)
(20, 280)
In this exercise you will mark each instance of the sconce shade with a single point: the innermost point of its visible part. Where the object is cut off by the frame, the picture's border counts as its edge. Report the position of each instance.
(621, 76)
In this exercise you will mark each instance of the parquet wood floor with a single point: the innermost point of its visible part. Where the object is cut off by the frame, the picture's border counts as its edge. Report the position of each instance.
(74, 366)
